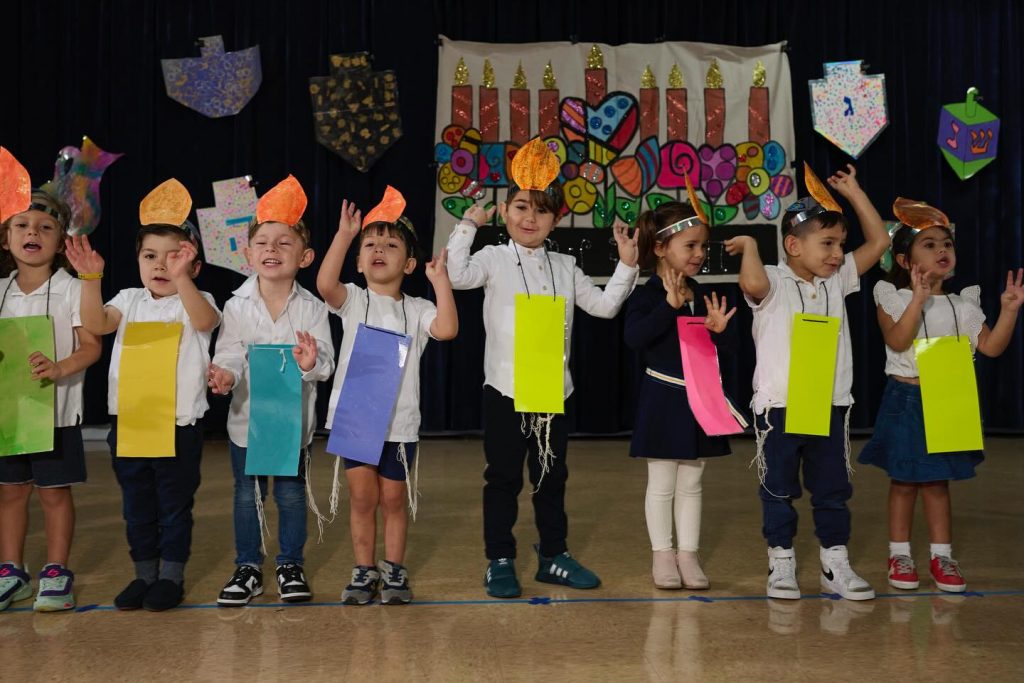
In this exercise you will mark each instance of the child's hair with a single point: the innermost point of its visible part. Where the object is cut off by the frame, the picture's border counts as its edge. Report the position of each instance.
(902, 242)
(300, 229)
(822, 221)
(41, 201)
(552, 199)
(650, 222)
(184, 233)
(402, 229)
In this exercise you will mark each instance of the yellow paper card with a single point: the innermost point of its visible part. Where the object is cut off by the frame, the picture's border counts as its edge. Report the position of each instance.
(949, 394)
(812, 374)
(147, 390)
(540, 354)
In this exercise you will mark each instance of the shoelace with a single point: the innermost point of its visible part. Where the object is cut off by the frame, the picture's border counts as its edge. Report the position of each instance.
(394, 576)
(903, 565)
(291, 573)
(948, 566)
(362, 576)
(242, 575)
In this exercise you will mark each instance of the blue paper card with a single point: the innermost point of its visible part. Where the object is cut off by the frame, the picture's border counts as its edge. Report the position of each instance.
(368, 394)
(275, 411)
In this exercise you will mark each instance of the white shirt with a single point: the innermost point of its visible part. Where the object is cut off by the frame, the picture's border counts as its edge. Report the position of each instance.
(65, 299)
(413, 316)
(497, 270)
(772, 328)
(937, 315)
(247, 321)
(137, 305)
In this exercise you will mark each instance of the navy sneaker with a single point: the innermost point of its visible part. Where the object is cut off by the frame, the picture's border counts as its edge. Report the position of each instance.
(394, 588)
(564, 570)
(501, 580)
(362, 589)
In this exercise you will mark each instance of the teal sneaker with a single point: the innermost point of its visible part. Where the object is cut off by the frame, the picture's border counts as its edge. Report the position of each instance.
(14, 585)
(564, 570)
(56, 589)
(501, 580)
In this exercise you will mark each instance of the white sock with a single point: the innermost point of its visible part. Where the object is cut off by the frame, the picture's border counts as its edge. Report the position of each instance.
(899, 548)
(943, 549)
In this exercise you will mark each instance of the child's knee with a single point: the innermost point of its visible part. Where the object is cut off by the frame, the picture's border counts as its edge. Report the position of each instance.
(393, 498)
(11, 494)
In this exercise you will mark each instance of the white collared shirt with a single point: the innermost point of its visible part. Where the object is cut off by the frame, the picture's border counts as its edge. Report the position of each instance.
(410, 315)
(65, 300)
(772, 328)
(247, 321)
(137, 305)
(497, 270)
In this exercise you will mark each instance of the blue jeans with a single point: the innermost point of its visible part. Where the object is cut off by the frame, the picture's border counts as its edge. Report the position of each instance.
(823, 463)
(290, 496)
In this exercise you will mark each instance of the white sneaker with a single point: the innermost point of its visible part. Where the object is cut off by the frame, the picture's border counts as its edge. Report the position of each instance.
(837, 576)
(782, 574)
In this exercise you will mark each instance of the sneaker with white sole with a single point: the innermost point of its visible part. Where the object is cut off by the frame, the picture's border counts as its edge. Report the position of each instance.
(56, 589)
(362, 589)
(292, 584)
(245, 584)
(903, 573)
(782, 574)
(394, 584)
(837, 576)
(946, 574)
(15, 584)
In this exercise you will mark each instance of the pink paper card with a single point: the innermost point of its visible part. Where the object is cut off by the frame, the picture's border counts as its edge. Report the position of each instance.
(703, 379)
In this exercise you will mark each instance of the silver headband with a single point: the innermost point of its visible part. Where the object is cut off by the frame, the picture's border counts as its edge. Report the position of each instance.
(805, 213)
(678, 226)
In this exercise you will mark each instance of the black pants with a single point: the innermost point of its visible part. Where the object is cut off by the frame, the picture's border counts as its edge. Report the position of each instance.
(505, 447)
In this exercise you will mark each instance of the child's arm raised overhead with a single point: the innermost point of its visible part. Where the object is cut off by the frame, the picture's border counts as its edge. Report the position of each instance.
(993, 342)
(876, 238)
(753, 277)
(446, 323)
(96, 318)
(900, 334)
(201, 314)
(328, 278)
(466, 271)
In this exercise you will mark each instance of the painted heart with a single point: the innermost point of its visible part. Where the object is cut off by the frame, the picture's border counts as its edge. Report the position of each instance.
(717, 169)
(611, 126)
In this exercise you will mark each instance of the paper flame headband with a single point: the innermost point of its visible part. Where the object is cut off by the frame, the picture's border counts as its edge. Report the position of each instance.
(700, 218)
(390, 210)
(283, 203)
(915, 216)
(820, 200)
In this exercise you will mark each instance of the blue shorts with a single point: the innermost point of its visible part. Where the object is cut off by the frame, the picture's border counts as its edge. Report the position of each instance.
(390, 466)
(63, 466)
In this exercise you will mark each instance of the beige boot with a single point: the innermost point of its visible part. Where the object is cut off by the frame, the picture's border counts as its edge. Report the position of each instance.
(666, 574)
(690, 570)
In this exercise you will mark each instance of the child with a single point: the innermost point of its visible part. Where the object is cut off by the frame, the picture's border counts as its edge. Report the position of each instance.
(524, 265)
(672, 239)
(158, 493)
(31, 243)
(913, 304)
(815, 278)
(271, 308)
(386, 253)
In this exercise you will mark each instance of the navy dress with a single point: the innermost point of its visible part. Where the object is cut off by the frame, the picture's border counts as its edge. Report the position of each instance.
(665, 427)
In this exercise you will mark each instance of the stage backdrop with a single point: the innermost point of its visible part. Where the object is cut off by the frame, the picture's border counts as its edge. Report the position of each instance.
(628, 123)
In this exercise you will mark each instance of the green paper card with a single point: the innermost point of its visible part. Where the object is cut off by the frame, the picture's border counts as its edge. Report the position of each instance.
(812, 374)
(26, 405)
(949, 394)
(540, 354)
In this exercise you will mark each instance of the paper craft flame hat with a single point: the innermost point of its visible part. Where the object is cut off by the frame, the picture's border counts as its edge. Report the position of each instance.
(819, 201)
(15, 186)
(283, 203)
(695, 202)
(534, 166)
(389, 209)
(169, 203)
(698, 219)
(913, 216)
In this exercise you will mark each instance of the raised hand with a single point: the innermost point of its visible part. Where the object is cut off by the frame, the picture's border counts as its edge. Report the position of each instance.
(628, 252)
(1013, 296)
(82, 256)
(480, 215)
(673, 281)
(219, 380)
(845, 182)
(43, 367)
(179, 263)
(437, 268)
(304, 350)
(351, 220)
(718, 313)
(920, 283)
(736, 245)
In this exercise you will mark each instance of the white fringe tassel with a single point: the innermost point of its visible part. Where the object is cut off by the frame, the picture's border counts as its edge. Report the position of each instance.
(540, 428)
(412, 483)
(846, 444)
(760, 436)
(311, 500)
(261, 515)
(335, 489)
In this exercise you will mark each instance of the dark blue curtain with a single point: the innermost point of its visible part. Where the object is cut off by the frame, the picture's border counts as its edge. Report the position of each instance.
(93, 67)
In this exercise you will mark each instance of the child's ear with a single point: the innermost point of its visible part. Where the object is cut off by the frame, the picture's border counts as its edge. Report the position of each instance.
(503, 212)
(196, 266)
(660, 248)
(791, 243)
(901, 261)
(558, 217)
(307, 258)
(410, 265)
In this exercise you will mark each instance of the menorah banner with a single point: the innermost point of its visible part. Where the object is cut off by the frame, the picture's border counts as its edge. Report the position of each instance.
(629, 123)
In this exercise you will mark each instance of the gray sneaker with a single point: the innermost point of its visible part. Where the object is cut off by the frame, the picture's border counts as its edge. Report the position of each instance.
(394, 584)
(362, 589)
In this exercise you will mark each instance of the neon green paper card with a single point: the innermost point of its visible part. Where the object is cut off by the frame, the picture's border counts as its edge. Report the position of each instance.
(949, 394)
(26, 405)
(812, 374)
(539, 375)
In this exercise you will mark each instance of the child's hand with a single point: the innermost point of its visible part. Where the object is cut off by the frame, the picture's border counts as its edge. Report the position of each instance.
(717, 317)
(82, 256)
(920, 283)
(1013, 297)
(304, 350)
(219, 380)
(845, 182)
(673, 284)
(736, 245)
(350, 222)
(179, 263)
(44, 368)
(437, 268)
(628, 252)
(480, 215)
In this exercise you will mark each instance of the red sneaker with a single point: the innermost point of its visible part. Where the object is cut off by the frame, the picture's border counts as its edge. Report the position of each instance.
(903, 573)
(947, 576)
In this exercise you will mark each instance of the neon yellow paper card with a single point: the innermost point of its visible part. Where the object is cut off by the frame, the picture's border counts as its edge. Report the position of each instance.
(147, 390)
(26, 405)
(812, 374)
(949, 394)
(539, 375)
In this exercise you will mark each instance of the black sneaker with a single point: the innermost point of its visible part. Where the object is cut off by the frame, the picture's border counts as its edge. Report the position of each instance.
(132, 596)
(163, 595)
(245, 584)
(291, 583)
(394, 579)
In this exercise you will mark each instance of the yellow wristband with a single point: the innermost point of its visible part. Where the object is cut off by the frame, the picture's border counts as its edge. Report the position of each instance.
(90, 276)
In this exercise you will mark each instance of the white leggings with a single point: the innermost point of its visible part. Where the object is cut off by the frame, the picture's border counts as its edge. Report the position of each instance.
(674, 486)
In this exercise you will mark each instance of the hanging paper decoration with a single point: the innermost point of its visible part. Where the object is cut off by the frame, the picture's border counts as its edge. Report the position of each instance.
(812, 373)
(968, 135)
(76, 180)
(15, 186)
(355, 110)
(225, 226)
(147, 390)
(538, 378)
(848, 107)
(26, 405)
(704, 391)
(216, 83)
(275, 411)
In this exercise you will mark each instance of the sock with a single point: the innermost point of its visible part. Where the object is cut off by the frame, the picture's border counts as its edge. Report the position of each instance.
(15, 564)
(944, 549)
(146, 570)
(899, 548)
(175, 571)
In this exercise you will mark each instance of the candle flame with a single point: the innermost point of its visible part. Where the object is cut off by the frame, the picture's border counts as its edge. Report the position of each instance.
(488, 74)
(675, 77)
(595, 60)
(759, 74)
(647, 79)
(461, 72)
(549, 77)
(714, 76)
(519, 80)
